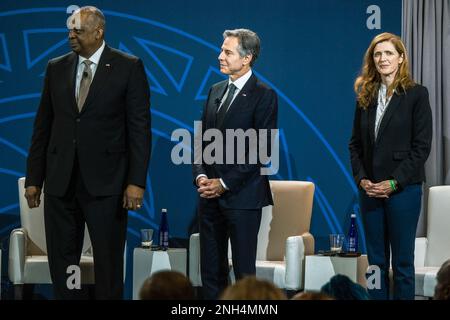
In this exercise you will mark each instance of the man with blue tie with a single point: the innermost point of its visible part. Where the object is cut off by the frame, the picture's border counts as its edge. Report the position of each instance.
(232, 195)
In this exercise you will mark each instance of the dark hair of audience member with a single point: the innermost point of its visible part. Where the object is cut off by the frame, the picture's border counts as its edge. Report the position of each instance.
(167, 285)
(340, 287)
(442, 289)
(312, 296)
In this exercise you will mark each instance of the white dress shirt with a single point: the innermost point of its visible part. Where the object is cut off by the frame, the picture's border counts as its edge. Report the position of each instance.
(383, 103)
(95, 58)
(239, 84)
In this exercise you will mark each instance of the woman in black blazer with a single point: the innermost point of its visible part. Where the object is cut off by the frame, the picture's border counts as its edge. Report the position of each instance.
(390, 143)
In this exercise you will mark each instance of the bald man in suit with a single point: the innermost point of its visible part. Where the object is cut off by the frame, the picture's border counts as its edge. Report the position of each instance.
(90, 147)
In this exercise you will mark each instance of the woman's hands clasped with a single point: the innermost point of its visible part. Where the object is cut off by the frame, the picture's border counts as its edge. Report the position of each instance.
(381, 189)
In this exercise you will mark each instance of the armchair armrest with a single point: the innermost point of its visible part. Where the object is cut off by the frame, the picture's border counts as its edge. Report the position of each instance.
(308, 241)
(17, 250)
(295, 252)
(297, 247)
(194, 260)
(420, 252)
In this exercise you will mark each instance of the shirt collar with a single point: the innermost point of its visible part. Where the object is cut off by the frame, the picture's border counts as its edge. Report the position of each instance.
(95, 58)
(239, 83)
(383, 89)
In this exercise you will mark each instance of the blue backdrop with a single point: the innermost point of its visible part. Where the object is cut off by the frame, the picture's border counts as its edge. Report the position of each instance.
(311, 54)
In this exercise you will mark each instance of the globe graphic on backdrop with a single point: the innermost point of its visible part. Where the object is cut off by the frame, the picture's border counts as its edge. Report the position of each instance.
(180, 68)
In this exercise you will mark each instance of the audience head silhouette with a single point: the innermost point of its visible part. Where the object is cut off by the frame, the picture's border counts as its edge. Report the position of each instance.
(312, 296)
(442, 289)
(341, 287)
(167, 285)
(251, 288)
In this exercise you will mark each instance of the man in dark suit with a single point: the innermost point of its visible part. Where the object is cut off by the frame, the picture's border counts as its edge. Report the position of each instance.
(233, 194)
(91, 146)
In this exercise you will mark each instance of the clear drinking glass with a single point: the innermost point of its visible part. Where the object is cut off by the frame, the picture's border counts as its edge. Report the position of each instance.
(146, 238)
(336, 242)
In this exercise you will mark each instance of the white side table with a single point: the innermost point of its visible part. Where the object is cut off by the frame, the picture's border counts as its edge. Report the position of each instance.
(146, 262)
(320, 269)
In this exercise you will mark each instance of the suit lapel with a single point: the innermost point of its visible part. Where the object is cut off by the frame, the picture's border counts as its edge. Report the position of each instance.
(371, 114)
(100, 78)
(241, 99)
(391, 108)
(214, 102)
(71, 74)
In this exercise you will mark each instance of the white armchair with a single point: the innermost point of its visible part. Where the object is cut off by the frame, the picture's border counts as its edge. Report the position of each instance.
(28, 262)
(431, 252)
(283, 239)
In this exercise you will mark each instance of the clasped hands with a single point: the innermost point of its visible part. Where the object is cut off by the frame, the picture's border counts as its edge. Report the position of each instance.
(376, 190)
(209, 188)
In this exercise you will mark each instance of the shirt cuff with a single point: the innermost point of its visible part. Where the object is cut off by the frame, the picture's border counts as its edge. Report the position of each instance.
(223, 184)
(199, 176)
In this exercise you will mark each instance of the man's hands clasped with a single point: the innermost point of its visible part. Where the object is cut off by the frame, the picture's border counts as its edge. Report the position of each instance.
(210, 188)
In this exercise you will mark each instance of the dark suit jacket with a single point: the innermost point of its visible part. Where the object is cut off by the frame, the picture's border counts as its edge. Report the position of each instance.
(403, 142)
(255, 106)
(111, 135)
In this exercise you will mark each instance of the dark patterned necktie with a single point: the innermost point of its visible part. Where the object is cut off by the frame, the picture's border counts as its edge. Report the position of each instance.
(220, 115)
(85, 83)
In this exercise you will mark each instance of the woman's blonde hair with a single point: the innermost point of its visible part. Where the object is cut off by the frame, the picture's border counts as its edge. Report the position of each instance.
(368, 82)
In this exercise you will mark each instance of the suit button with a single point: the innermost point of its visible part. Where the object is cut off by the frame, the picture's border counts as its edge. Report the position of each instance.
(78, 119)
(74, 141)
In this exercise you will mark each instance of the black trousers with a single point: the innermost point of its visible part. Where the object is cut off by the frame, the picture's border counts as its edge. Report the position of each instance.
(65, 219)
(217, 225)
